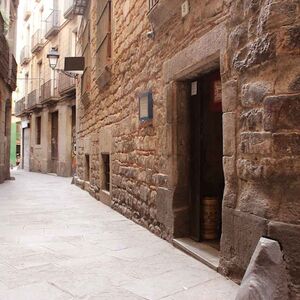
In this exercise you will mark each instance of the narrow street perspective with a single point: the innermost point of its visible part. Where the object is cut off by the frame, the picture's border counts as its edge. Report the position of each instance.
(150, 149)
(57, 242)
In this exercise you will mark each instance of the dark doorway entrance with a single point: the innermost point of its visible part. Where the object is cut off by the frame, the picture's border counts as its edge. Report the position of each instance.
(207, 179)
(54, 142)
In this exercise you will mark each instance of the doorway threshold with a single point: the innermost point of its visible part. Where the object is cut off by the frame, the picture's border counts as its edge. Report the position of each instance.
(200, 251)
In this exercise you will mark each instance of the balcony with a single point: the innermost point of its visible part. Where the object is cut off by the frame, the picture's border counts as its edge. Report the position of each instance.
(74, 7)
(33, 101)
(20, 108)
(8, 65)
(49, 92)
(12, 74)
(25, 56)
(160, 11)
(66, 85)
(36, 41)
(52, 24)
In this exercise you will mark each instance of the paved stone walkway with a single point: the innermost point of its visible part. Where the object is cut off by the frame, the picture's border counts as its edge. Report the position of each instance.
(57, 242)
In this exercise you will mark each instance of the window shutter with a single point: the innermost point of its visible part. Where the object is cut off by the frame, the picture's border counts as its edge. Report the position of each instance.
(103, 35)
(85, 42)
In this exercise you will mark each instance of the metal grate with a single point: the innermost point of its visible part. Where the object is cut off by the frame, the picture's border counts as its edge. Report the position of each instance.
(52, 23)
(20, 107)
(36, 41)
(32, 99)
(152, 3)
(49, 90)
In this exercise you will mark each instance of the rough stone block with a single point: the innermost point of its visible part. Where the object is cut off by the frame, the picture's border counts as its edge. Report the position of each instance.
(229, 134)
(265, 277)
(259, 51)
(254, 93)
(240, 234)
(276, 14)
(256, 143)
(238, 37)
(288, 235)
(252, 120)
(282, 112)
(229, 96)
(286, 143)
(230, 190)
(164, 201)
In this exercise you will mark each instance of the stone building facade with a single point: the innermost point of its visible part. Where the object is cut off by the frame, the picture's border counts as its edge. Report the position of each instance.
(47, 97)
(223, 77)
(8, 71)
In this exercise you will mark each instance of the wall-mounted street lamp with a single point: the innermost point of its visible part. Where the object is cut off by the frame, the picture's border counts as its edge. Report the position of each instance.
(73, 65)
(53, 57)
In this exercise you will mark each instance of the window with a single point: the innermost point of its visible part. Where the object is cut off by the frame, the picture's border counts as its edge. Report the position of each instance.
(106, 171)
(104, 25)
(38, 124)
(152, 3)
(85, 44)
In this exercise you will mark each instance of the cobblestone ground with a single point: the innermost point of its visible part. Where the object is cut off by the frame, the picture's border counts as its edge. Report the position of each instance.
(57, 242)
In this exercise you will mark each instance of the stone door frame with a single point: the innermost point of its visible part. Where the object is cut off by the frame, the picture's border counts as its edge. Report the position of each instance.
(204, 55)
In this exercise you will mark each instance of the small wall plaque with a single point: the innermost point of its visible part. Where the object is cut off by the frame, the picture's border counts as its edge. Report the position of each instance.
(145, 106)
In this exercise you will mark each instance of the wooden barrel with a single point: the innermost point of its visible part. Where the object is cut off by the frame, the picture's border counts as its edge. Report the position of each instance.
(209, 218)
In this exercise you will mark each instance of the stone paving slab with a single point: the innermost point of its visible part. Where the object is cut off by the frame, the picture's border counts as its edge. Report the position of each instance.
(57, 242)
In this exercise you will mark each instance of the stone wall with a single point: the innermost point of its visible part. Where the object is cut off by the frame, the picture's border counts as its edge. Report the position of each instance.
(139, 161)
(256, 45)
(40, 155)
(261, 97)
(5, 108)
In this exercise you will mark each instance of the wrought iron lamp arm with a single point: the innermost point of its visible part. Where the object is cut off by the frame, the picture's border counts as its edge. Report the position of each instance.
(69, 74)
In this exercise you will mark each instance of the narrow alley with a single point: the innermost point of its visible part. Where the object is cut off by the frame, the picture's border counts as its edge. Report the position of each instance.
(56, 240)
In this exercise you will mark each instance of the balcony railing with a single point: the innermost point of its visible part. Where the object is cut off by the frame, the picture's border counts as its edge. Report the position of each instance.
(152, 3)
(52, 24)
(25, 55)
(36, 41)
(49, 92)
(12, 74)
(74, 7)
(20, 107)
(33, 100)
(66, 85)
(8, 65)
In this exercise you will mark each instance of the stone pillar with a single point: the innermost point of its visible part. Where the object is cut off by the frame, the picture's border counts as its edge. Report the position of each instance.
(64, 140)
